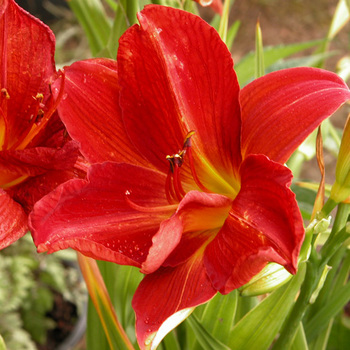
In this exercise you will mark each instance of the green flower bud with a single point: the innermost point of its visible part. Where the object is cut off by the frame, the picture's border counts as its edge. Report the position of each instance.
(320, 284)
(271, 277)
(341, 188)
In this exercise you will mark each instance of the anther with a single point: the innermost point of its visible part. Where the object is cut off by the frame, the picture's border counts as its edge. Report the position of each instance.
(5, 93)
(174, 190)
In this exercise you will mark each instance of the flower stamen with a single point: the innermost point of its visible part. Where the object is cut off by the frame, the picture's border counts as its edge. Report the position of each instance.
(174, 189)
(133, 205)
(187, 148)
(39, 120)
(173, 185)
(169, 191)
(3, 121)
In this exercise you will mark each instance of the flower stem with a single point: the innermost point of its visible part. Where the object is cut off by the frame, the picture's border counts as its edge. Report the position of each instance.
(132, 7)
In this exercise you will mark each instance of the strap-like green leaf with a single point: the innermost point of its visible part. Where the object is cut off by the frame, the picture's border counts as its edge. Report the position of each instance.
(259, 53)
(224, 20)
(2, 344)
(207, 341)
(300, 342)
(116, 336)
(93, 19)
(245, 67)
(321, 319)
(218, 317)
(260, 326)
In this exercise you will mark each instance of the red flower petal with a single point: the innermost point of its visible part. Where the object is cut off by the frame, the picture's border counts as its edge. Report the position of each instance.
(30, 191)
(35, 161)
(216, 5)
(280, 109)
(166, 292)
(264, 225)
(177, 75)
(90, 110)
(27, 49)
(196, 221)
(13, 220)
(98, 217)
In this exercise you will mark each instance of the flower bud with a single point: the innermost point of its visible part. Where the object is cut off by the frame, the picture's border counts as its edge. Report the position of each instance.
(341, 188)
(320, 284)
(271, 277)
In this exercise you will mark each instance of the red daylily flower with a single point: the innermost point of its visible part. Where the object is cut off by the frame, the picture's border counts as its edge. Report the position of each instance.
(216, 5)
(34, 153)
(189, 183)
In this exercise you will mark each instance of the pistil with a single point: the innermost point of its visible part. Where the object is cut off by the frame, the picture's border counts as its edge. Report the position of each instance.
(133, 205)
(4, 95)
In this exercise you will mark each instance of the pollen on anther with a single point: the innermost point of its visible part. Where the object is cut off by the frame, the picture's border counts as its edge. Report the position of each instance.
(5, 93)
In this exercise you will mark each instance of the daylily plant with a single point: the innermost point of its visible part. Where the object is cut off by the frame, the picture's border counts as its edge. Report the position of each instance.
(35, 153)
(189, 182)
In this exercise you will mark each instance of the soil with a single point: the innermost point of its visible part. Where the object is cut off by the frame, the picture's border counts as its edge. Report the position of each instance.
(65, 316)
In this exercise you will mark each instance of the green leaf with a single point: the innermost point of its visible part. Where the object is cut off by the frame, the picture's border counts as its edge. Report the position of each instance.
(2, 344)
(244, 305)
(93, 19)
(340, 18)
(126, 280)
(321, 319)
(218, 316)
(232, 33)
(245, 67)
(116, 336)
(207, 341)
(300, 342)
(120, 24)
(306, 61)
(340, 334)
(259, 53)
(224, 20)
(170, 342)
(305, 198)
(343, 68)
(95, 335)
(259, 327)
(320, 343)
